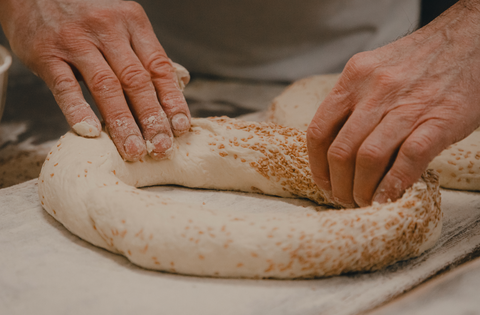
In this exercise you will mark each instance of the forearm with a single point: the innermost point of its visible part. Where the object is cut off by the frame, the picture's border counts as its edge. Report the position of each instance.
(461, 22)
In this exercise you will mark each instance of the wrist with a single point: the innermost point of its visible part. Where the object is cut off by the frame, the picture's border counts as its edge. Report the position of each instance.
(454, 37)
(461, 19)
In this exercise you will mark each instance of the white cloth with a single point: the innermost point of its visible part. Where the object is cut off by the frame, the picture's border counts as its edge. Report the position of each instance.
(276, 39)
(44, 269)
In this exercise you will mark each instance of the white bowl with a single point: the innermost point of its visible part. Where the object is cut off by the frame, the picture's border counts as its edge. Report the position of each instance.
(5, 63)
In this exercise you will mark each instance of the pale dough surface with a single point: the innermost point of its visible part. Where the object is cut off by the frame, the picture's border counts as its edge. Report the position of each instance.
(297, 104)
(458, 165)
(87, 186)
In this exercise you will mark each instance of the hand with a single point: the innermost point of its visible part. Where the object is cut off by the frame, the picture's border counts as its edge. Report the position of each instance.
(111, 45)
(395, 108)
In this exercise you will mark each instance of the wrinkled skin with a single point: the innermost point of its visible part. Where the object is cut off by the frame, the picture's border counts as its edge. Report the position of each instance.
(395, 108)
(111, 45)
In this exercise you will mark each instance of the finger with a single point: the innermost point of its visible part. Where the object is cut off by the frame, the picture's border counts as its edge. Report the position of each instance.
(183, 76)
(422, 145)
(67, 92)
(108, 94)
(138, 87)
(342, 153)
(377, 153)
(324, 127)
(155, 61)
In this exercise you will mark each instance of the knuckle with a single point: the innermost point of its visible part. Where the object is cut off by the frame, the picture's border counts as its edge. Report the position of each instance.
(63, 84)
(134, 78)
(315, 138)
(315, 133)
(43, 52)
(369, 155)
(385, 79)
(104, 81)
(359, 64)
(67, 40)
(68, 33)
(160, 66)
(100, 17)
(172, 99)
(339, 153)
(151, 118)
(74, 108)
(416, 148)
(120, 121)
(132, 8)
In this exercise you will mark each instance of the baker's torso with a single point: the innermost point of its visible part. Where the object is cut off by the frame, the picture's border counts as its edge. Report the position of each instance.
(276, 39)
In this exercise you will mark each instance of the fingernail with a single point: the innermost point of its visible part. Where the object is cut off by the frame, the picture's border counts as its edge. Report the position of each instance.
(134, 147)
(361, 202)
(344, 204)
(88, 128)
(381, 197)
(328, 195)
(388, 192)
(180, 122)
(324, 186)
(94, 122)
(161, 145)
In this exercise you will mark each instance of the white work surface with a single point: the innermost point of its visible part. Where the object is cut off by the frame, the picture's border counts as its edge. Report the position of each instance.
(455, 292)
(44, 269)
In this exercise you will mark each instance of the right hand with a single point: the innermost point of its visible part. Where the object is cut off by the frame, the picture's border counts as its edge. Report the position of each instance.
(111, 46)
(395, 108)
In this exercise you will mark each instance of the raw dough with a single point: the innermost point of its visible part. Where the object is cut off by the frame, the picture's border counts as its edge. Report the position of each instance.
(458, 165)
(298, 103)
(87, 186)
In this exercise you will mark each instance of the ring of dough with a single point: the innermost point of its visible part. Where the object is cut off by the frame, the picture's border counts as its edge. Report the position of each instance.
(87, 186)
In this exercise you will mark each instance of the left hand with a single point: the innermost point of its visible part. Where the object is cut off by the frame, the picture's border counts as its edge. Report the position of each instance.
(111, 46)
(395, 108)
